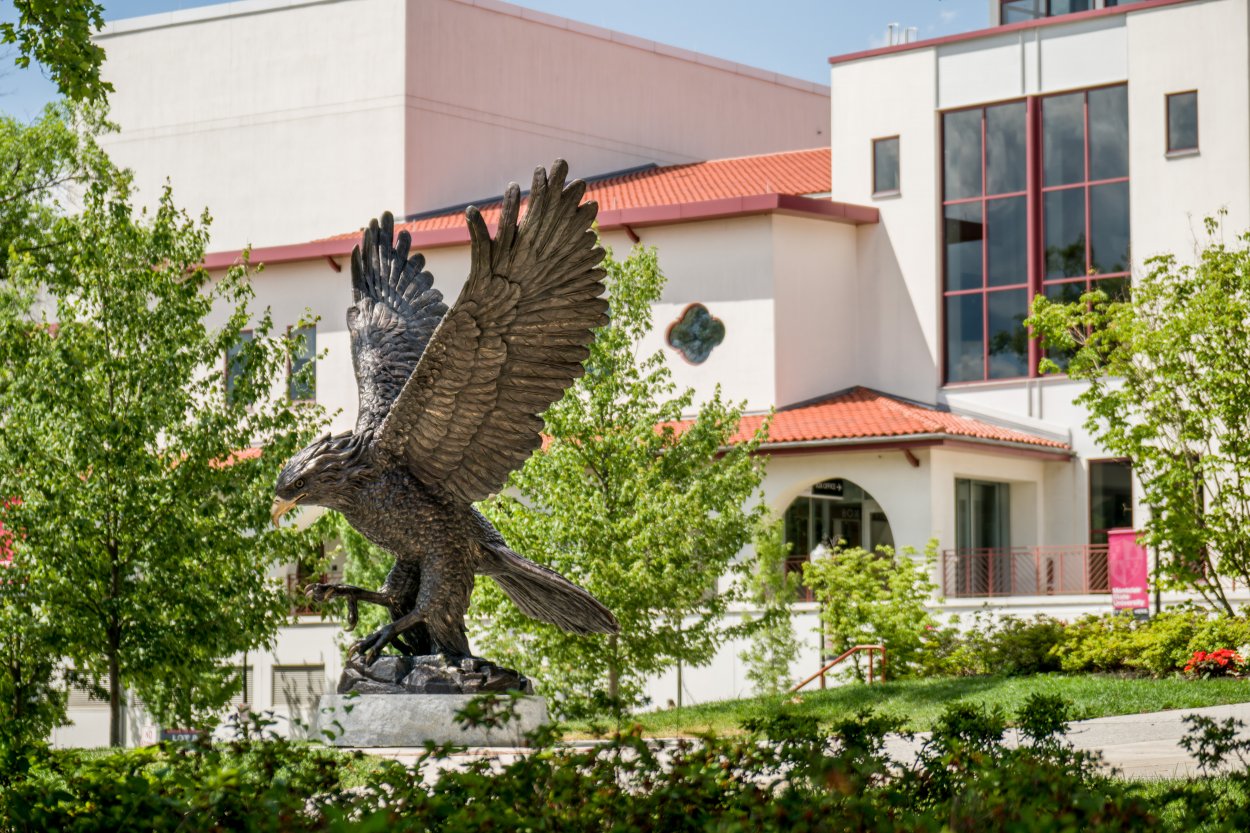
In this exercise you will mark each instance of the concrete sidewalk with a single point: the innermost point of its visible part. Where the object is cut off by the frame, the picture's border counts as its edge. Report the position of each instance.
(1137, 745)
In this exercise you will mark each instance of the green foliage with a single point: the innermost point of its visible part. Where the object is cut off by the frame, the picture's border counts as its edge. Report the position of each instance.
(142, 516)
(1005, 645)
(57, 34)
(365, 564)
(875, 597)
(1168, 389)
(40, 161)
(785, 774)
(772, 591)
(646, 517)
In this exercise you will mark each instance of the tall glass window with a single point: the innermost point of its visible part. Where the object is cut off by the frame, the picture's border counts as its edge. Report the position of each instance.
(985, 220)
(236, 362)
(1035, 200)
(1085, 210)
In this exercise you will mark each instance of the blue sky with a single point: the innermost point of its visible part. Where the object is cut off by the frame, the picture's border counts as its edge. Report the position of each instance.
(793, 37)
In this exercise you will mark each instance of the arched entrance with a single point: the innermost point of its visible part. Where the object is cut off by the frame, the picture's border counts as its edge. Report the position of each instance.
(832, 513)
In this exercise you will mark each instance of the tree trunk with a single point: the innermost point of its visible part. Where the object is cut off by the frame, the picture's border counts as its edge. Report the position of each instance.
(115, 698)
(614, 674)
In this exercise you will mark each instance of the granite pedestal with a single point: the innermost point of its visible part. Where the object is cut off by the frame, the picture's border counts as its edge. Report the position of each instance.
(392, 720)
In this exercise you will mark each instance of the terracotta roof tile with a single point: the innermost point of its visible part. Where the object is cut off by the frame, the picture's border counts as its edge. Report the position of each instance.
(797, 173)
(865, 413)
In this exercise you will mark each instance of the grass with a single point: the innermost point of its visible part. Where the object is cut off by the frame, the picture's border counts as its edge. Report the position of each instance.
(920, 701)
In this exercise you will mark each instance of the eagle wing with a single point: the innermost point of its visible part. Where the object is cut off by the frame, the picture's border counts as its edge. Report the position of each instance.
(516, 338)
(394, 312)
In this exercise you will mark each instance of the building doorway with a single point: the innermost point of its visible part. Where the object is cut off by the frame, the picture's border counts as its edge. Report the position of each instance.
(832, 514)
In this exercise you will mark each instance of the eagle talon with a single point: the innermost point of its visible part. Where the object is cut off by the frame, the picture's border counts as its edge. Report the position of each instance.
(369, 648)
(321, 592)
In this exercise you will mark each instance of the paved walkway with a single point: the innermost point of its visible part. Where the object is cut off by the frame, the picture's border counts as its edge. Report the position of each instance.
(1137, 745)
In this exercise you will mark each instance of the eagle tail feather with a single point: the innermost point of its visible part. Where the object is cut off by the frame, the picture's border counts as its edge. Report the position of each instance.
(544, 594)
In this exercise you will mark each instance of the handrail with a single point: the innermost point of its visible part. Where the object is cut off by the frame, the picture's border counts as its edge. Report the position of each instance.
(871, 649)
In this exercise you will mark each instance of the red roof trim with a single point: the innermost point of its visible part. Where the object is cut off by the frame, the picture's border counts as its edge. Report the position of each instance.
(1004, 29)
(786, 204)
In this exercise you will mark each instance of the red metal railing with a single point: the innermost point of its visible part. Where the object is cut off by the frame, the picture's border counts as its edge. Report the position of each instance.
(872, 651)
(1025, 571)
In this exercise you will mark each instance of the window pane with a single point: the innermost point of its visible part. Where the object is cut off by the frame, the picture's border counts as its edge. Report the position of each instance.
(1183, 121)
(1117, 289)
(1108, 133)
(1065, 293)
(1006, 235)
(236, 363)
(1063, 139)
(1015, 11)
(301, 384)
(1063, 217)
(1070, 6)
(964, 232)
(961, 152)
(1110, 498)
(885, 165)
(1009, 340)
(1108, 227)
(1004, 148)
(964, 361)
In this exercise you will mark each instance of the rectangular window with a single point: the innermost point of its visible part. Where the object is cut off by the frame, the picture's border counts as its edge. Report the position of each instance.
(1182, 122)
(1035, 200)
(236, 362)
(298, 686)
(302, 372)
(1110, 498)
(983, 536)
(1015, 11)
(247, 694)
(885, 179)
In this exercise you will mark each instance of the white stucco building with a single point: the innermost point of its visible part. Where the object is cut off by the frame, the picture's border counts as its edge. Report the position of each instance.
(871, 274)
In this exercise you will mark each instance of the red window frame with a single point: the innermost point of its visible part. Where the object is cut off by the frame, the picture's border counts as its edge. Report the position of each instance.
(1036, 281)
(1167, 125)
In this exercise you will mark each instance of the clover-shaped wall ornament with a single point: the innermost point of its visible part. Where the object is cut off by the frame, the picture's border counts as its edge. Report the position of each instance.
(695, 334)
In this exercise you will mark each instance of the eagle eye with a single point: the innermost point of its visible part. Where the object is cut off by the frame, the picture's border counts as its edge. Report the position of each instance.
(299, 484)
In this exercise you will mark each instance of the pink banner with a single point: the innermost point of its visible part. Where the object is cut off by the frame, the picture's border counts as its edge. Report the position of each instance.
(1128, 570)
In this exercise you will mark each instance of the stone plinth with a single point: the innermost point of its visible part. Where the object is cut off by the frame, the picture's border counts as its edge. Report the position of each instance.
(390, 720)
(432, 674)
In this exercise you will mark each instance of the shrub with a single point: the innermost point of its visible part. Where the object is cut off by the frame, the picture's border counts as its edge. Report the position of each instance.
(1222, 663)
(1099, 643)
(875, 597)
(784, 775)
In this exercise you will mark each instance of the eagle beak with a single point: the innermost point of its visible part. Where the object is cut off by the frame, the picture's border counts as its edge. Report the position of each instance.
(281, 507)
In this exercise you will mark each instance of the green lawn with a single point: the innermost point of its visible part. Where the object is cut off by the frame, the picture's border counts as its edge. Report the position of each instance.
(918, 702)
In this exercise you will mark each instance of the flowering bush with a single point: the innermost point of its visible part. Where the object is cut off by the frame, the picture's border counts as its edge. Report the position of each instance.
(1224, 662)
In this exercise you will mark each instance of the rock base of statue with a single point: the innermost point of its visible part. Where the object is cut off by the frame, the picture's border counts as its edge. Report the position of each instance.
(411, 701)
(430, 675)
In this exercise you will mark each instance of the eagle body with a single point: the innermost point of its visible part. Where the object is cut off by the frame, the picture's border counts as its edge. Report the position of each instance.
(449, 405)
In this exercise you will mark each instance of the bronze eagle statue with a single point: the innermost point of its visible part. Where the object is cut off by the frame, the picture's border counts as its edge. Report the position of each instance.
(449, 406)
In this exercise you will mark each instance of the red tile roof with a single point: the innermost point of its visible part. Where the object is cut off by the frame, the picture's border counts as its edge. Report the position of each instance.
(861, 413)
(795, 173)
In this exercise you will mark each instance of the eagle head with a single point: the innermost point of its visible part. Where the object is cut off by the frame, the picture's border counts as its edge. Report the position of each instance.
(320, 474)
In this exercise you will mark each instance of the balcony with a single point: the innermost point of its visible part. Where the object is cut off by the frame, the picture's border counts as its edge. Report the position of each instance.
(1080, 569)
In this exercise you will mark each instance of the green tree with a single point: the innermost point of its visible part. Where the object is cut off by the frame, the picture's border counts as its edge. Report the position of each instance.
(144, 490)
(645, 513)
(57, 34)
(40, 163)
(772, 590)
(1168, 387)
(878, 597)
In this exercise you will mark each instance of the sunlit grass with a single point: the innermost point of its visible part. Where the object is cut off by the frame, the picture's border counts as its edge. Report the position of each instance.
(919, 702)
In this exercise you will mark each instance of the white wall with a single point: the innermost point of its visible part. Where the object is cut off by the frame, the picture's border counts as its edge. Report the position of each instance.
(295, 119)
